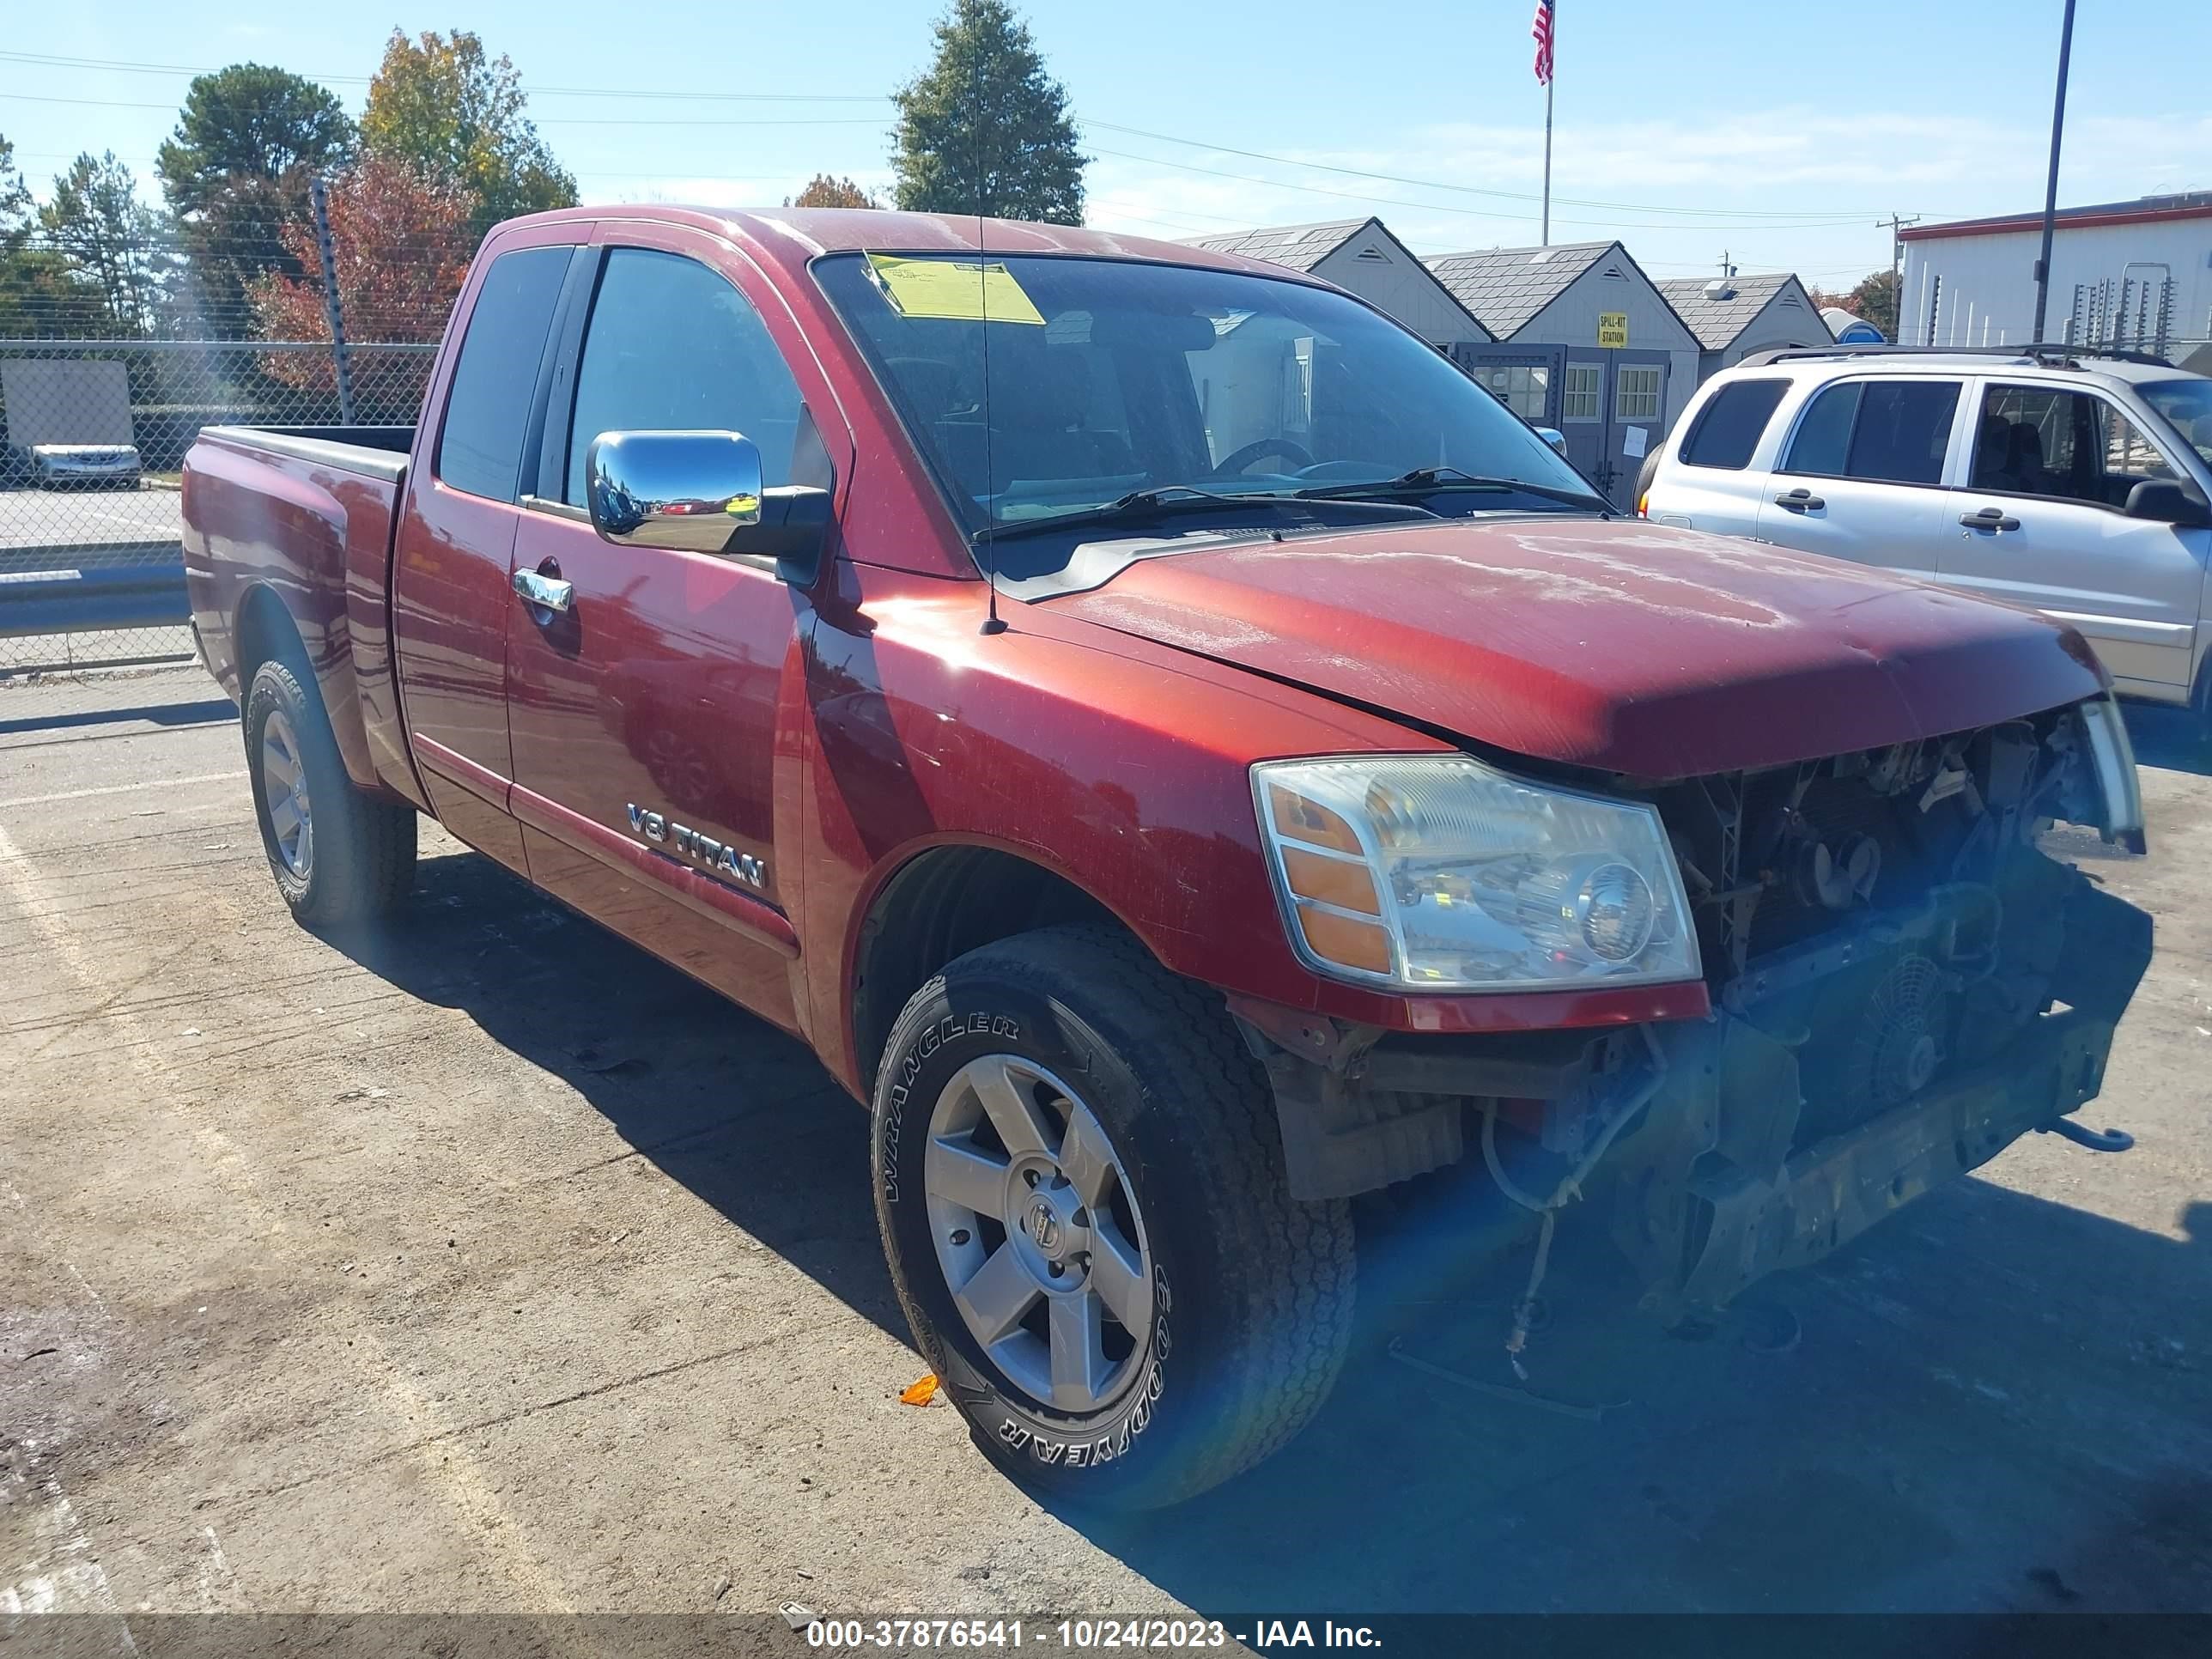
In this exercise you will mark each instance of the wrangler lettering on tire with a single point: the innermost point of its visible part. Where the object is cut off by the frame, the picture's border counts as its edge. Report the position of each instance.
(1063, 1131)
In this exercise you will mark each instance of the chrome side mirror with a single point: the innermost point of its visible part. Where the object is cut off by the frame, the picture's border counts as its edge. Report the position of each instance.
(1554, 436)
(690, 491)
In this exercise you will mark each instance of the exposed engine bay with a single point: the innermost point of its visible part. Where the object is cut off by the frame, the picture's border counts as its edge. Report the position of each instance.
(1903, 983)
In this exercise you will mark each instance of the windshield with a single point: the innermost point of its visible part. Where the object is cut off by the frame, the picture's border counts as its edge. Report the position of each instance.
(2187, 406)
(1109, 378)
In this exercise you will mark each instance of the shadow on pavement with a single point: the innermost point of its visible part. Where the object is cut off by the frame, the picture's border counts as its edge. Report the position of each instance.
(1996, 1402)
(2172, 738)
(205, 711)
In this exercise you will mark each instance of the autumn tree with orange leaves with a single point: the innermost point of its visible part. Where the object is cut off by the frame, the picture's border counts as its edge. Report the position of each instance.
(401, 245)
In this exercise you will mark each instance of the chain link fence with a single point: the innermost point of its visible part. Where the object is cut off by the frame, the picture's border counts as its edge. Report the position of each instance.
(93, 433)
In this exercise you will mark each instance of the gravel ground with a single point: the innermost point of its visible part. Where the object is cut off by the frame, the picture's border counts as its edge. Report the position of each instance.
(489, 1265)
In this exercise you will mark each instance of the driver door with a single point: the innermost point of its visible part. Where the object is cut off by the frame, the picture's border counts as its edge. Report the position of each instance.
(645, 716)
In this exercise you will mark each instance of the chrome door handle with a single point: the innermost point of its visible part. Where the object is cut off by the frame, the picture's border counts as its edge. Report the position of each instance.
(1800, 501)
(1989, 518)
(546, 592)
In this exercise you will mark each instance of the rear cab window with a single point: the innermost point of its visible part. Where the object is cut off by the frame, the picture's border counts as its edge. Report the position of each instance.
(487, 411)
(1882, 431)
(1728, 428)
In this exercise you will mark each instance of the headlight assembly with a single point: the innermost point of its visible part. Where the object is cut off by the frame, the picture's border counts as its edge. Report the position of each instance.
(1441, 873)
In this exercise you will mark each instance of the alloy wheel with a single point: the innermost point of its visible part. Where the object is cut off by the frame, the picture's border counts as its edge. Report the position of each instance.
(1038, 1233)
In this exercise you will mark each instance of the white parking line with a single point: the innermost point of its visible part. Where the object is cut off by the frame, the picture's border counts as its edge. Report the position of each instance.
(120, 788)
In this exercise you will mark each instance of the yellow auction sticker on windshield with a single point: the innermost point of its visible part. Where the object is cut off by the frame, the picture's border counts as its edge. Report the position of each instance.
(959, 291)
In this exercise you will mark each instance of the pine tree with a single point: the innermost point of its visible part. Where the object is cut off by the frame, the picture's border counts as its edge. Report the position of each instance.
(984, 128)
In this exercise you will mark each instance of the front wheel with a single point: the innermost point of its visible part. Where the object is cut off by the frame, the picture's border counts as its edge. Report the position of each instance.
(1079, 1181)
(339, 855)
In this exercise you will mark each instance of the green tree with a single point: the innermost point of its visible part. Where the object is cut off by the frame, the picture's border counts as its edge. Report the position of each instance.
(439, 105)
(110, 243)
(37, 298)
(826, 190)
(984, 128)
(1875, 300)
(235, 173)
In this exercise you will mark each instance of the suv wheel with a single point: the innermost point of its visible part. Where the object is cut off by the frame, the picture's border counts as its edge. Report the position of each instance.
(339, 855)
(1079, 1181)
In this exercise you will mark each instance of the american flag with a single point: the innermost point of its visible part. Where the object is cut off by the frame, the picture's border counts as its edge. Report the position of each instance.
(1541, 30)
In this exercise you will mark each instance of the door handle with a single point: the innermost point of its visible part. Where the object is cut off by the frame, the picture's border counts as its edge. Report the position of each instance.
(546, 592)
(1989, 518)
(1800, 501)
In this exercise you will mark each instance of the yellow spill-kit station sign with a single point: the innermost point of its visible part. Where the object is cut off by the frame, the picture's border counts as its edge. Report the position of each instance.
(960, 290)
(1612, 330)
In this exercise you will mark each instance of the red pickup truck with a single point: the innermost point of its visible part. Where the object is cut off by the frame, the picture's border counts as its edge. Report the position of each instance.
(1186, 756)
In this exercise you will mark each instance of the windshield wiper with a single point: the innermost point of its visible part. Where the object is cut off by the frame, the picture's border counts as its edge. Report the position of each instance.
(1429, 480)
(1162, 500)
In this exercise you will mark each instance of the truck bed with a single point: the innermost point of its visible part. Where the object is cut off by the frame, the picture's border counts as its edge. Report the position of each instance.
(307, 513)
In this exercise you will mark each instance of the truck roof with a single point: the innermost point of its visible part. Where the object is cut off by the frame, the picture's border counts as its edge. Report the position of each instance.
(795, 236)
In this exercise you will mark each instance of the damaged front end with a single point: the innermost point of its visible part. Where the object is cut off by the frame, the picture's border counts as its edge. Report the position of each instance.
(1903, 983)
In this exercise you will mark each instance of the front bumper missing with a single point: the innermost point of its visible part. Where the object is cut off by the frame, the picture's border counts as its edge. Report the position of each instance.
(1707, 1199)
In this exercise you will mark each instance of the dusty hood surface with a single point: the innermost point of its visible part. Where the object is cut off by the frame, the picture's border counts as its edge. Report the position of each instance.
(1622, 645)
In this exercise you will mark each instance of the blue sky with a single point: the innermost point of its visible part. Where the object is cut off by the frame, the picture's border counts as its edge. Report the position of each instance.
(1772, 133)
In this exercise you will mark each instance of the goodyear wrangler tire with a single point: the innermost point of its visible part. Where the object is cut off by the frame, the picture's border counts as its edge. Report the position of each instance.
(339, 855)
(1080, 1180)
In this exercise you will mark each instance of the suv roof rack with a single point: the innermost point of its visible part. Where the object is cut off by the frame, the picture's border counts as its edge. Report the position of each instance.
(2048, 355)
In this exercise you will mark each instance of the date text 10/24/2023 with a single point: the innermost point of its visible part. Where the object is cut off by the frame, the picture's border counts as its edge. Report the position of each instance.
(910, 1634)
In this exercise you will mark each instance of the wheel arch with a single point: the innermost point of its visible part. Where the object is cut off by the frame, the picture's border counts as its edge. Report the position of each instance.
(936, 903)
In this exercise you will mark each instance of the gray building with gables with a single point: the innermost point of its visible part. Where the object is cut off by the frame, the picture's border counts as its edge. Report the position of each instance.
(1733, 316)
(1362, 256)
(1585, 341)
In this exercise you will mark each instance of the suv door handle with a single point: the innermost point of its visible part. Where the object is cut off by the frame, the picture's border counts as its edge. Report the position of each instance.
(1989, 518)
(546, 592)
(1800, 501)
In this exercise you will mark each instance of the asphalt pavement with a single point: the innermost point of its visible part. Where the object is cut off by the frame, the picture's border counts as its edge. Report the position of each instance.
(485, 1264)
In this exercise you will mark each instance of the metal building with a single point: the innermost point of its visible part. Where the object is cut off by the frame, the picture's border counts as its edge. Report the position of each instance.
(1585, 343)
(1733, 316)
(1362, 256)
(2136, 275)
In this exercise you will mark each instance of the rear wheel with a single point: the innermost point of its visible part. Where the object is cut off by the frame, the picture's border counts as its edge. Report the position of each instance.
(1079, 1182)
(339, 855)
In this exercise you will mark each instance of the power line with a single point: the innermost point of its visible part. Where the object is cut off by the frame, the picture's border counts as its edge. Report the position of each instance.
(1440, 207)
(1438, 184)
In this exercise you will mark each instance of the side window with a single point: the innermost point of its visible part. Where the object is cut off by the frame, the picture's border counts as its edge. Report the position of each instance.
(1579, 392)
(1523, 388)
(673, 346)
(1636, 392)
(1728, 428)
(1884, 431)
(2072, 445)
(487, 411)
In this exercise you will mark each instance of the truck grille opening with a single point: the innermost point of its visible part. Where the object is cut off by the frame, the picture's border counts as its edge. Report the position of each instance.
(1886, 914)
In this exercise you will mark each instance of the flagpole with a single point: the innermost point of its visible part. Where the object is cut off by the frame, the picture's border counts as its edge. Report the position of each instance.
(1548, 80)
(1547, 157)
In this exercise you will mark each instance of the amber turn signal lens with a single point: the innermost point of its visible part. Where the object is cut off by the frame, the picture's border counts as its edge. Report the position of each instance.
(1331, 881)
(1303, 819)
(1362, 944)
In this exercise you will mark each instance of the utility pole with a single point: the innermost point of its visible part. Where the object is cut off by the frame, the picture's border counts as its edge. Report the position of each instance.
(333, 311)
(2050, 188)
(1897, 274)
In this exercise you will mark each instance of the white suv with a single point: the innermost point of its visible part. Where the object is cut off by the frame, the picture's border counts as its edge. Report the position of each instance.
(2075, 484)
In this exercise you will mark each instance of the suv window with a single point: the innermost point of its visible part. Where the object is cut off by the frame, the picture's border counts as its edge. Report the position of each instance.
(1729, 427)
(2074, 445)
(487, 411)
(1885, 431)
(673, 346)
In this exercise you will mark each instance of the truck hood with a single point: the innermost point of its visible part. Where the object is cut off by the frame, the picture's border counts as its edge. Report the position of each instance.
(1621, 644)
